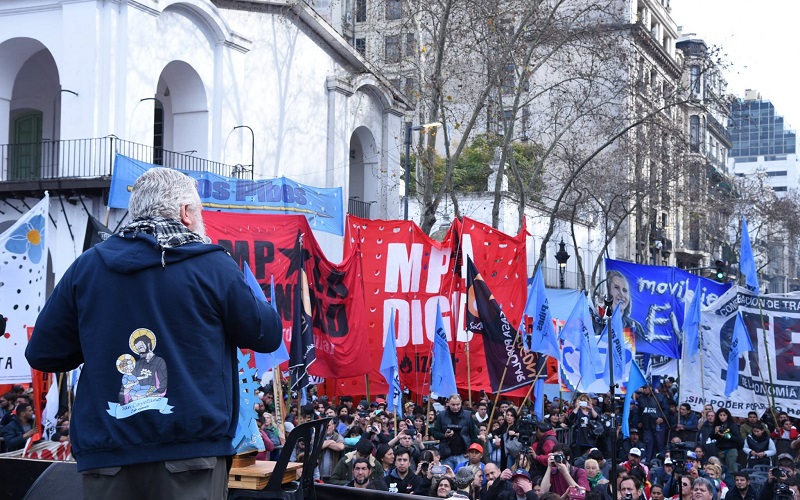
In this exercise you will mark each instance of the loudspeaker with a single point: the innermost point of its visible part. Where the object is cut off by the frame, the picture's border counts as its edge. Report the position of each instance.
(61, 480)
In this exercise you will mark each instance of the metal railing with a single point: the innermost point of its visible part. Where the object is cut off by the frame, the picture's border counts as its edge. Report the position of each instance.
(359, 208)
(92, 158)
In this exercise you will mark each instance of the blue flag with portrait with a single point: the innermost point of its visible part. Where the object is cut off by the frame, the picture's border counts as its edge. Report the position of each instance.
(652, 302)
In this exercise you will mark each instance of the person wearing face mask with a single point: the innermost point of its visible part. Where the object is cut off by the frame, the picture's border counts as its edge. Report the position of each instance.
(581, 419)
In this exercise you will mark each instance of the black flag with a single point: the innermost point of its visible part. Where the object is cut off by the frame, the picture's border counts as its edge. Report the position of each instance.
(96, 233)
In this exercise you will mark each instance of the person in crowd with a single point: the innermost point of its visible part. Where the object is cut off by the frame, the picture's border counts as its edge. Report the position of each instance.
(664, 476)
(627, 444)
(545, 441)
(463, 481)
(419, 425)
(687, 419)
(478, 490)
(20, 428)
(686, 489)
(442, 487)
(707, 436)
(742, 489)
(510, 440)
(630, 488)
(714, 474)
(474, 456)
(377, 432)
(656, 492)
(269, 445)
(410, 440)
(635, 460)
(758, 447)
(481, 412)
(61, 433)
(271, 430)
(556, 420)
(362, 468)
(593, 474)
(580, 419)
(158, 304)
(384, 454)
(332, 447)
(786, 430)
(700, 455)
(455, 429)
(729, 440)
(652, 423)
(703, 489)
(343, 472)
(400, 479)
(747, 426)
(562, 475)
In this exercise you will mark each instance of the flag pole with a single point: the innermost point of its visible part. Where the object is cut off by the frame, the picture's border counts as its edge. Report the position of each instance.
(277, 397)
(469, 375)
(702, 368)
(366, 386)
(536, 379)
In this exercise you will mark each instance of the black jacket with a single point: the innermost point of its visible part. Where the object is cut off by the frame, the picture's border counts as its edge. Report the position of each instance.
(411, 484)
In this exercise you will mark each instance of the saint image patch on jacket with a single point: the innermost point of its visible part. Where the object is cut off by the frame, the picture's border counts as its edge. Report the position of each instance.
(144, 380)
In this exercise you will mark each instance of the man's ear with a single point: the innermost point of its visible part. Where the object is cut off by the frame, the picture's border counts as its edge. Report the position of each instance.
(186, 216)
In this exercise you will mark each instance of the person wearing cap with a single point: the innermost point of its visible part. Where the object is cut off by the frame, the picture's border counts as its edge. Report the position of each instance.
(635, 460)
(463, 480)
(474, 456)
(664, 476)
(516, 485)
(625, 446)
(782, 480)
(742, 489)
(545, 441)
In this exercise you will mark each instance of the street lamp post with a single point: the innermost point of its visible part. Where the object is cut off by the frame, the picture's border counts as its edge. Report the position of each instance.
(411, 128)
(562, 257)
(252, 148)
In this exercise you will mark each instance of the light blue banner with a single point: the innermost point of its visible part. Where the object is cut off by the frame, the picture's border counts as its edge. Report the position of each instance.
(323, 207)
(652, 300)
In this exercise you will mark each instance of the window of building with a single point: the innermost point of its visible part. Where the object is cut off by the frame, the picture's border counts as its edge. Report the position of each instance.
(411, 45)
(410, 89)
(361, 11)
(777, 173)
(508, 77)
(361, 46)
(694, 134)
(392, 49)
(779, 188)
(694, 80)
(394, 10)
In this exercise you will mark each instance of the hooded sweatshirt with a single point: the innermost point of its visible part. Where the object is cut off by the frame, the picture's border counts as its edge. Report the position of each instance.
(157, 330)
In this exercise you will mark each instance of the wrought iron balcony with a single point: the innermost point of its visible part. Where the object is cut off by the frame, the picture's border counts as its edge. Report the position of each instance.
(359, 208)
(88, 162)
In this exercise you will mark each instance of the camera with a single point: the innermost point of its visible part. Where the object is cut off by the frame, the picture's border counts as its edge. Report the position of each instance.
(777, 472)
(558, 458)
(628, 496)
(423, 467)
(526, 428)
(411, 432)
(363, 414)
(782, 491)
(455, 428)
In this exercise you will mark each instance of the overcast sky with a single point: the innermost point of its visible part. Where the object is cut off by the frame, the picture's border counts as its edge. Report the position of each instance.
(760, 41)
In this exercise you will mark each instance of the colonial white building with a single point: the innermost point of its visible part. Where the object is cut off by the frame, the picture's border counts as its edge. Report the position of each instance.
(255, 89)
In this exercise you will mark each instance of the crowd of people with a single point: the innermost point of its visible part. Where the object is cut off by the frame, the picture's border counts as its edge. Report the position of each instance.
(493, 451)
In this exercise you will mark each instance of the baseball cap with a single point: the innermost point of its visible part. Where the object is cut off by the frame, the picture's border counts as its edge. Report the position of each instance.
(635, 452)
(476, 447)
(692, 455)
(521, 473)
(543, 426)
(634, 431)
(667, 461)
(787, 457)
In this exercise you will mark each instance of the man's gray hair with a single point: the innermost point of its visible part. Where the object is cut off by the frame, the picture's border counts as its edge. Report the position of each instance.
(161, 192)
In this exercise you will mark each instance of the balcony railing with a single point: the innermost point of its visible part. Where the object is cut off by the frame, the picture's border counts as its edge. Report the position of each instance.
(359, 208)
(93, 158)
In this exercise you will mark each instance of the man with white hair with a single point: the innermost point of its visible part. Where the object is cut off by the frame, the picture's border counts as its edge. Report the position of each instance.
(155, 314)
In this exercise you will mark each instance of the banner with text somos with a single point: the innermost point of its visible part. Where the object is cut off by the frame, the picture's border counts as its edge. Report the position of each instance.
(780, 353)
(322, 207)
(652, 300)
(269, 244)
(406, 270)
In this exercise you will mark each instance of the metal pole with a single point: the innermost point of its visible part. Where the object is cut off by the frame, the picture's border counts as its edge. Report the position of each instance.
(252, 149)
(608, 303)
(407, 172)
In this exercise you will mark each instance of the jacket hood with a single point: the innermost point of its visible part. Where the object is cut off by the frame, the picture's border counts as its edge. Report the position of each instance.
(131, 253)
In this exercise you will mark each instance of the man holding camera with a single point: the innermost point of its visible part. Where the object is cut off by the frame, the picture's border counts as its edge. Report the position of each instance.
(780, 479)
(562, 475)
(455, 429)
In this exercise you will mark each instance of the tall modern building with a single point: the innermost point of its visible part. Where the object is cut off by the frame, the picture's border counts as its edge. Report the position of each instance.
(762, 142)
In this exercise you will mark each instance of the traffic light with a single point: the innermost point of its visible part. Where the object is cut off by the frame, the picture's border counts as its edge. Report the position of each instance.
(720, 273)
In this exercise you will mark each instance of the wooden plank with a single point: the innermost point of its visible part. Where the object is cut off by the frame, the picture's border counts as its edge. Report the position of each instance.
(256, 477)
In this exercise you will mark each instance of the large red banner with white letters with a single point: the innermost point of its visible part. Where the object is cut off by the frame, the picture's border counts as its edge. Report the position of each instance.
(271, 247)
(408, 272)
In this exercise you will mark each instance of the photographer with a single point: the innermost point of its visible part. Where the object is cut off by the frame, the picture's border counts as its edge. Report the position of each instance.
(580, 419)
(562, 475)
(729, 439)
(630, 488)
(779, 480)
(455, 429)
(408, 439)
(546, 440)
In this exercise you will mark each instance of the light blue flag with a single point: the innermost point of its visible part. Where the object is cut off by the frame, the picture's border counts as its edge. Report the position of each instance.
(740, 343)
(635, 381)
(691, 325)
(747, 264)
(389, 368)
(538, 394)
(443, 378)
(617, 347)
(580, 341)
(265, 360)
(543, 334)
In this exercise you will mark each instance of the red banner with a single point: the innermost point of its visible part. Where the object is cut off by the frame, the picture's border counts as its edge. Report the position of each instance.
(269, 244)
(408, 272)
